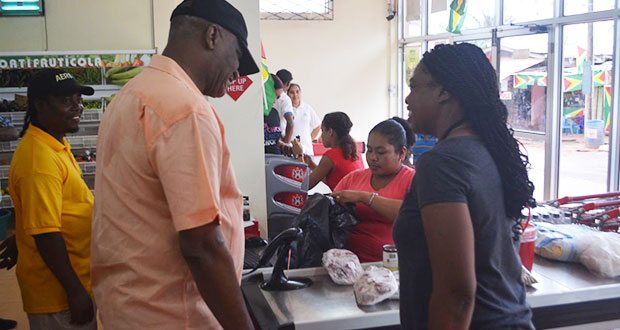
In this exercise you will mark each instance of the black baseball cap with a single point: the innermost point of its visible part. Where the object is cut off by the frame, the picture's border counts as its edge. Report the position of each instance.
(224, 14)
(55, 82)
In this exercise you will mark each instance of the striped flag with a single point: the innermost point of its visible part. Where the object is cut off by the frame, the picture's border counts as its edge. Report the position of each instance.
(520, 81)
(458, 9)
(269, 91)
(581, 59)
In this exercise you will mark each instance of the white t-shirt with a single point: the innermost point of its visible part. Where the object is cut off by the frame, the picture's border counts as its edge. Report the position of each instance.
(305, 121)
(284, 106)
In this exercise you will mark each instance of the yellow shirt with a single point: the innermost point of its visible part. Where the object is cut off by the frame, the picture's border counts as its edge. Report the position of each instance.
(49, 195)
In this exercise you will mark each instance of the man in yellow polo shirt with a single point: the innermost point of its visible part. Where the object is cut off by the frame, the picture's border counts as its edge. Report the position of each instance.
(53, 208)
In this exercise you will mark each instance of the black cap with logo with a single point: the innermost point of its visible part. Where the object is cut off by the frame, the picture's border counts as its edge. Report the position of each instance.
(224, 14)
(55, 82)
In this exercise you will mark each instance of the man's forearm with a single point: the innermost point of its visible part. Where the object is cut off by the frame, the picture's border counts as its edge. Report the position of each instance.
(51, 247)
(214, 272)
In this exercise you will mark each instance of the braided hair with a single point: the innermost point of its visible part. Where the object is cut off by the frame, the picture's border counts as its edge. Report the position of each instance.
(465, 72)
(341, 124)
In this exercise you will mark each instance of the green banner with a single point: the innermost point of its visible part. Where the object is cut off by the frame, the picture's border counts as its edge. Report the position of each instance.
(73, 61)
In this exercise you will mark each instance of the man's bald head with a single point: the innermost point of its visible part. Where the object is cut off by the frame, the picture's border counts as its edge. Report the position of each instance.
(187, 27)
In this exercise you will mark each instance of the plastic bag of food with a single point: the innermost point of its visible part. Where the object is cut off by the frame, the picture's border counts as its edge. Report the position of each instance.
(343, 266)
(396, 296)
(375, 285)
(601, 254)
(561, 242)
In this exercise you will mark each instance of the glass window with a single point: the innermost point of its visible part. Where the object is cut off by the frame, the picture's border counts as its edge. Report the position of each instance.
(479, 13)
(527, 10)
(413, 54)
(413, 24)
(523, 67)
(572, 7)
(433, 43)
(296, 9)
(587, 75)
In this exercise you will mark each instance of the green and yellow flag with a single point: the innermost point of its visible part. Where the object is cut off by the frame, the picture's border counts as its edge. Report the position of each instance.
(458, 9)
(580, 59)
(269, 91)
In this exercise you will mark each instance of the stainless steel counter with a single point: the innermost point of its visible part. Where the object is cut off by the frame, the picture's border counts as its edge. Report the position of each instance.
(562, 289)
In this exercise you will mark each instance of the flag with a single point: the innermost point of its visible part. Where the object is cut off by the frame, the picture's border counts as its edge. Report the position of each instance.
(520, 81)
(599, 78)
(607, 106)
(542, 81)
(572, 83)
(530, 80)
(458, 9)
(269, 91)
(581, 59)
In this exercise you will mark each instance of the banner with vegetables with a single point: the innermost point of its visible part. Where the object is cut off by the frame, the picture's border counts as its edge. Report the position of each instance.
(73, 61)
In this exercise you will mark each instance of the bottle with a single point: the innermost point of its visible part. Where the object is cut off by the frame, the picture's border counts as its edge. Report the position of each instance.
(246, 208)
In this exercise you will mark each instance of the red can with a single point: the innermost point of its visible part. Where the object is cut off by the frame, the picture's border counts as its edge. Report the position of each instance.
(293, 172)
(294, 199)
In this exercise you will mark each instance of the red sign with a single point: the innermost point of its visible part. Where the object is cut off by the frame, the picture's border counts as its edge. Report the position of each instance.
(238, 87)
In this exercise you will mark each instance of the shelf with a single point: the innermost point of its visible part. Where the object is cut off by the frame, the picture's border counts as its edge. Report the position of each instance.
(88, 168)
(76, 142)
(88, 116)
(82, 142)
(6, 202)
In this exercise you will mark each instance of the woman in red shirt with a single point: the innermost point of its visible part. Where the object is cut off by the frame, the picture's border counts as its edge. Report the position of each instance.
(378, 191)
(343, 156)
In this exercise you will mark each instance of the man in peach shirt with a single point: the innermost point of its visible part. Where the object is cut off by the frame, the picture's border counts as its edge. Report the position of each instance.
(167, 245)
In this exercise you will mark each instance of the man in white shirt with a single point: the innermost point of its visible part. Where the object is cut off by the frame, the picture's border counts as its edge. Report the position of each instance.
(284, 106)
(307, 122)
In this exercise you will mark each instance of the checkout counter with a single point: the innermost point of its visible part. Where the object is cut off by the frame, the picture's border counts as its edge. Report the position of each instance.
(566, 295)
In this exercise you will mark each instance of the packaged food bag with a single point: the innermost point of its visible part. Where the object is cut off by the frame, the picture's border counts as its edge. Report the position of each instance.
(601, 254)
(375, 285)
(396, 296)
(343, 266)
(561, 242)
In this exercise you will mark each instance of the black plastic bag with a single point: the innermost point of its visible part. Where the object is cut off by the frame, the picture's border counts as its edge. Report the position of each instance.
(325, 224)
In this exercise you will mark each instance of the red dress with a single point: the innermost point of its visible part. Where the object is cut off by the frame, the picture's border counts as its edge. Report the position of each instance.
(367, 238)
(342, 166)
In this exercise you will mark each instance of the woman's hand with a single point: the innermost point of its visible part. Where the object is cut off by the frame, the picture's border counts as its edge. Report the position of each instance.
(297, 148)
(351, 196)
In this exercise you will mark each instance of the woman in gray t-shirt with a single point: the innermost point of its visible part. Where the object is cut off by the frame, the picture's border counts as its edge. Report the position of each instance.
(457, 231)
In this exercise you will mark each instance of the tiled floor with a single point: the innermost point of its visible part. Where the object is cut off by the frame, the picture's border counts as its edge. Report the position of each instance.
(11, 300)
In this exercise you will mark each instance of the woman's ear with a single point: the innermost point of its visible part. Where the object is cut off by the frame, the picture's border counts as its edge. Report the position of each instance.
(403, 153)
(442, 95)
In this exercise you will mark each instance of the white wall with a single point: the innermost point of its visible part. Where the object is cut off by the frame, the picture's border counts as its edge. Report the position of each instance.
(347, 64)
(243, 120)
(127, 25)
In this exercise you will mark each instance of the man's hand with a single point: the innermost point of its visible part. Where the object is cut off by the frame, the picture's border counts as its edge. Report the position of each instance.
(206, 253)
(8, 256)
(53, 251)
(80, 306)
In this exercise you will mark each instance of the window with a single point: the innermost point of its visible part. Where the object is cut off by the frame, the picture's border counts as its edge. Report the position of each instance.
(572, 7)
(21, 7)
(480, 13)
(586, 105)
(527, 10)
(523, 70)
(297, 9)
(413, 24)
